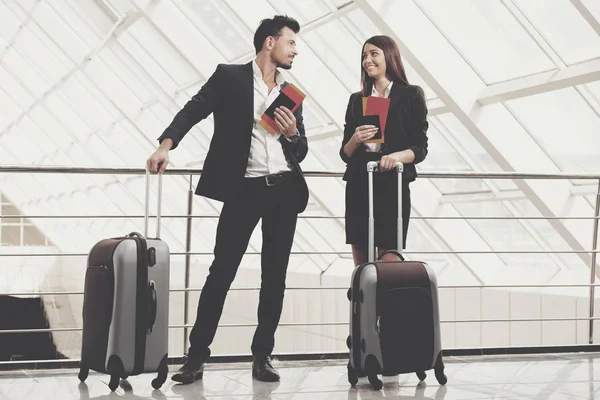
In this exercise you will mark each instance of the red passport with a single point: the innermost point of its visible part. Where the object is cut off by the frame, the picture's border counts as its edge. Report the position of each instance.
(375, 109)
(289, 97)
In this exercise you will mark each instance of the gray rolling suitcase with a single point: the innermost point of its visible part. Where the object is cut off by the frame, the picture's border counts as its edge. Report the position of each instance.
(126, 305)
(394, 312)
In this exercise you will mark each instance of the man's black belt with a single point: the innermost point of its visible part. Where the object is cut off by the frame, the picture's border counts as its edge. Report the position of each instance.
(275, 179)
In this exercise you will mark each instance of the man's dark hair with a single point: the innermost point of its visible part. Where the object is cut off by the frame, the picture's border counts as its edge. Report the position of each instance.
(272, 27)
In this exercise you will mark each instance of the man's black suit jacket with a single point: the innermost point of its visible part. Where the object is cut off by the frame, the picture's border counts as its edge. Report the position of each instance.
(229, 95)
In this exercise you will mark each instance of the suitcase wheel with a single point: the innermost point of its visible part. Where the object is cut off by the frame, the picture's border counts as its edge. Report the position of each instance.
(421, 375)
(157, 383)
(439, 371)
(114, 382)
(375, 382)
(441, 377)
(163, 371)
(349, 342)
(352, 376)
(349, 294)
(83, 373)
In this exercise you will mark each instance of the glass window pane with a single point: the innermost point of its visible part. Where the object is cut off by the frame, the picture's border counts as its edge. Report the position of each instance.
(33, 237)
(43, 53)
(220, 26)
(341, 3)
(49, 124)
(96, 14)
(9, 22)
(21, 8)
(489, 37)
(550, 116)
(131, 74)
(17, 92)
(318, 81)
(594, 7)
(21, 147)
(153, 68)
(305, 11)
(4, 123)
(24, 74)
(178, 28)
(162, 53)
(595, 89)
(9, 209)
(118, 7)
(113, 87)
(441, 155)
(8, 107)
(68, 116)
(339, 51)
(430, 48)
(564, 28)
(87, 106)
(43, 139)
(72, 16)
(252, 12)
(61, 32)
(466, 144)
(11, 235)
(505, 234)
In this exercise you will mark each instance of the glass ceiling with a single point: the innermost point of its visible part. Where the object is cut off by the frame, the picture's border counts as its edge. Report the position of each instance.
(94, 83)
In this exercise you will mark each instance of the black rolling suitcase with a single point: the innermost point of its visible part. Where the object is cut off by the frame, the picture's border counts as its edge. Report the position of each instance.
(394, 312)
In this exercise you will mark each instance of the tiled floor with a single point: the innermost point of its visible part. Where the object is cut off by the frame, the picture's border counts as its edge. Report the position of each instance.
(563, 376)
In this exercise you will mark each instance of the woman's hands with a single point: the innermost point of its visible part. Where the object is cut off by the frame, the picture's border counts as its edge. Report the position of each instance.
(364, 132)
(388, 162)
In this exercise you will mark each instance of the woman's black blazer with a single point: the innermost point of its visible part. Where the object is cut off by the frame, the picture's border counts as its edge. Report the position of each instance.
(406, 128)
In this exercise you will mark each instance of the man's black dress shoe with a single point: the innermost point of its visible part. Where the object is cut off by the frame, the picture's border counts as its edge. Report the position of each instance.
(263, 370)
(190, 372)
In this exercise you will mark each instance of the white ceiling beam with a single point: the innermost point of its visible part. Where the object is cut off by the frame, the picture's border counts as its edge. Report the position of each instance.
(436, 107)
(585, 190)
(587, 15)
(541, 83)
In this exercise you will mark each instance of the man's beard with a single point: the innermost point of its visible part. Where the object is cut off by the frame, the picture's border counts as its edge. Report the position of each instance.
(281, 65)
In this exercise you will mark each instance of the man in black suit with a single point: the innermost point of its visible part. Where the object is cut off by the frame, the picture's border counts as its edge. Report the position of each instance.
(256, 175)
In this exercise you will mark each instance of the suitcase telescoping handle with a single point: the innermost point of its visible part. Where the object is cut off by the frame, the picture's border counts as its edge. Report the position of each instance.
(372, 167)
(158, 204)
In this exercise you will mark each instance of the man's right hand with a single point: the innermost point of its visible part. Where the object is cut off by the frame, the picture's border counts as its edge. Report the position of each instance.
(158, 161)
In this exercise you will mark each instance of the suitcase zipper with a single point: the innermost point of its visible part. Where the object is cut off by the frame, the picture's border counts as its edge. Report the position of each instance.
(99, 266)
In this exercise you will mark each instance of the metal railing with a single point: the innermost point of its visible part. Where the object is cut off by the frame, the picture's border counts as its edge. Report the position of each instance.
(189, 216)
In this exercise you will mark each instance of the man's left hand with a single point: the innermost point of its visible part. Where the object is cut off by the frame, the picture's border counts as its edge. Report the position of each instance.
(286, 121)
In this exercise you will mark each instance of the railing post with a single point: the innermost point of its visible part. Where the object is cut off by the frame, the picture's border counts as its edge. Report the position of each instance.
(188, 249)
(593, 264)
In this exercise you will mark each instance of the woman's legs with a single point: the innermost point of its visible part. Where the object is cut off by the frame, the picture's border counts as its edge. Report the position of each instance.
(359, 254)
(387, 257)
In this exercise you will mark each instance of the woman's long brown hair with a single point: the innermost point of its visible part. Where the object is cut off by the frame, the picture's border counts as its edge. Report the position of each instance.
(394, 68)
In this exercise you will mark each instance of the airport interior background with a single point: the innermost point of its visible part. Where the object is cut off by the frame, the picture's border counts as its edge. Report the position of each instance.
(505, 208)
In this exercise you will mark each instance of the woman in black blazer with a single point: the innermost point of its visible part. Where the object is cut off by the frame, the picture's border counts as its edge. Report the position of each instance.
(382, 75)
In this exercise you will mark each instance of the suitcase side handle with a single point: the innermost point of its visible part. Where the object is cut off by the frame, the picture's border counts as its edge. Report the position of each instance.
(372, 167)
(153, 305)
(158, 204)
(397, 253)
